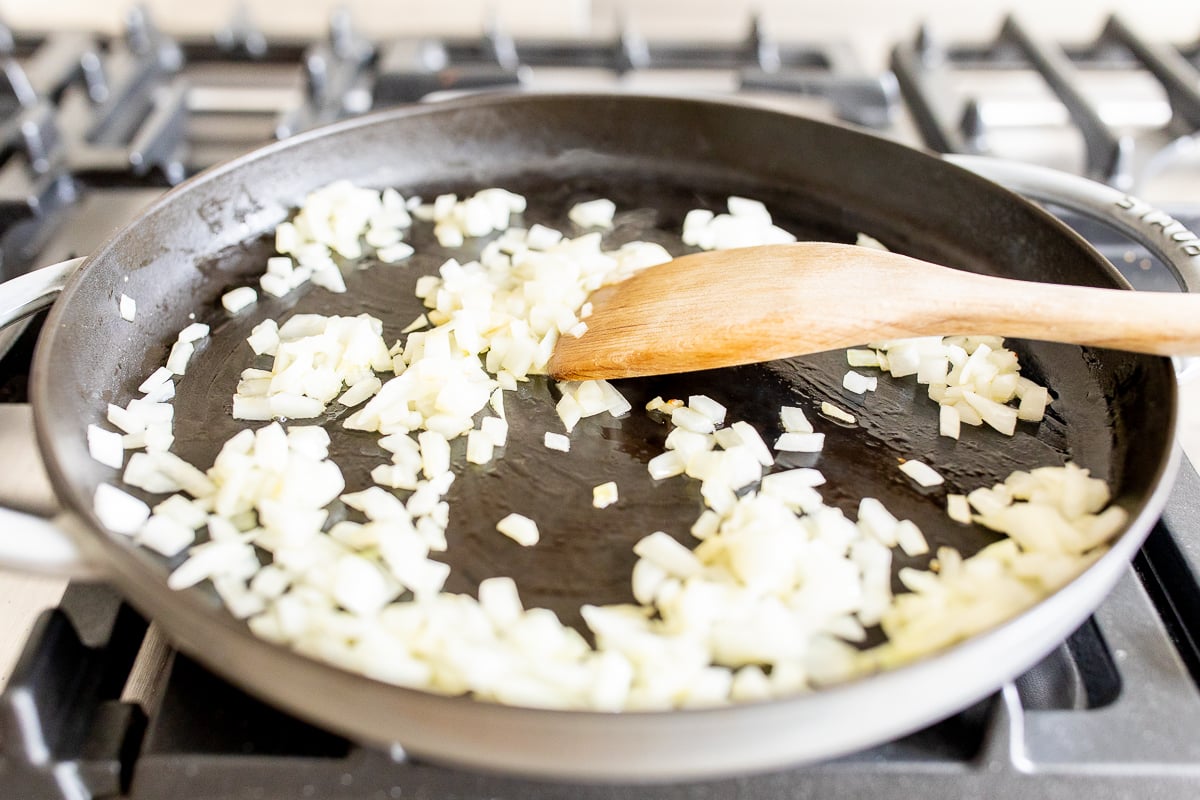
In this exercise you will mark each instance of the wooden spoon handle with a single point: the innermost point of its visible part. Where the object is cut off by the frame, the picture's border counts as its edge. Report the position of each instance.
(1144, 322)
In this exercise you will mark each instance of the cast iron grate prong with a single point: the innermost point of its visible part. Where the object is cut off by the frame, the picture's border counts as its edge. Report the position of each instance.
(1107, 155)
(1179, 78)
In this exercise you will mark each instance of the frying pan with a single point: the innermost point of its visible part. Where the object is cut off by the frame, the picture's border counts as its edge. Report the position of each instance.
(1114, 412)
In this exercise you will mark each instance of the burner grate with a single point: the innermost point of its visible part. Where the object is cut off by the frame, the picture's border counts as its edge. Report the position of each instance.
(951, 123)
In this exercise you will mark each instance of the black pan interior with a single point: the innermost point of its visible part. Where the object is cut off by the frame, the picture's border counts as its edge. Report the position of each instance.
(1113, 412)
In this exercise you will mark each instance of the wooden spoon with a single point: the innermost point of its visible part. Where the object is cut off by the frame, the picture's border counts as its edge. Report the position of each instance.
(726, 307)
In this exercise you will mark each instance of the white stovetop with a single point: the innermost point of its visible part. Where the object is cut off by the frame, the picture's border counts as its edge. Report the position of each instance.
(870, 27)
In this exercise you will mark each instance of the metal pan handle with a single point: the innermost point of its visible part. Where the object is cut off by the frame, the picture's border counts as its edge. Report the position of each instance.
(33, 538)
(1166, 238)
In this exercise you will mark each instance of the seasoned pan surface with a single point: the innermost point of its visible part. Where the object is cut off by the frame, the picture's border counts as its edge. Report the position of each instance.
(1113, 413)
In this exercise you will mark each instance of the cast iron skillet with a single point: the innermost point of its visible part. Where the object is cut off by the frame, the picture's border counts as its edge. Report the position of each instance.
(1114, 412)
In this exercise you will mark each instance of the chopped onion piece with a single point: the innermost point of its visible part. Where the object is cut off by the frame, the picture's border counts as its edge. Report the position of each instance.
(181, 353)
(360, 587)
(556, 441)
(664, 406)
(922, 473)
(237, 299)
(668, 554)
(933, 369)
(1033, 404)
(800, 442)
(794, 420)
(394, 253)
(189, 513)
(493, 430)
(593, 213)
(1000, 417)
(105, 446)
(119, 511)
(539, 237)
(949, 422)
(193, 332)
(569, 412)
(210, 559)
(360, 392)
(750, 437)
(615, 402)
(862, 358)
(691, 420)
(958, 509)
(783, 484)
(877, 521)
(128, 308)
(417, 324)
(159, 378)
(166, 535)
(479, 447)
(666, 465)
(604, 495)
(435, 453)
(500, 601)
(832, 411)
(858, 383)
(264, 338)
(910, 539)
(519, 528)
(863, 240)
(708, 407)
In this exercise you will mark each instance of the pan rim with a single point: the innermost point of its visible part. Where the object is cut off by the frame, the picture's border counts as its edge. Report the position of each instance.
(131, 573)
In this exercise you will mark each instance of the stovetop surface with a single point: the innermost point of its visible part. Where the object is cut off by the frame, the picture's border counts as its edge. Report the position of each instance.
(97, 127)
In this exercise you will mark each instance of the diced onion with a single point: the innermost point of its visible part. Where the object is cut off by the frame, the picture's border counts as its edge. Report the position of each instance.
(556, 441)
(910, 539)
(237, 299)
(958, 509)
(105, 446)
(128, 308)
(800, 442)
(794, 420)
(855, 382)
(775, 598)
(593, 213)
(949, 422)
(181, 353)
(519, 528)
(832, 411)
(119, 511)
(668, 554)
(922, 473)
(604, 495)
(973, 378)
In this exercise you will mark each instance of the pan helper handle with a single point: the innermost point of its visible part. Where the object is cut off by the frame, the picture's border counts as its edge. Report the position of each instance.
(1166, 238)
(34, 532)
(33, 291)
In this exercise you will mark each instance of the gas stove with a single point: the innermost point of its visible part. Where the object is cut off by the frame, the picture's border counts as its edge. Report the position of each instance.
(96, 126)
